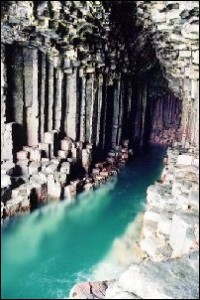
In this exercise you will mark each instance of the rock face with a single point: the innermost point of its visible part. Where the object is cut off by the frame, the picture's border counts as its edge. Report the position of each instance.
(173, 279)
(77, 67)
(172, 28)
(91, 290)
(73, 88)
(82, 84)
(38, 177)
(165, 258)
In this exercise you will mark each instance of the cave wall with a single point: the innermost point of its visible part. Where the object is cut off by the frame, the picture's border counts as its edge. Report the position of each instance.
(78, 68)
(173, 28)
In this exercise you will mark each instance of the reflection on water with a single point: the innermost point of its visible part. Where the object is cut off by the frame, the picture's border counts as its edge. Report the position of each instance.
(46, 252)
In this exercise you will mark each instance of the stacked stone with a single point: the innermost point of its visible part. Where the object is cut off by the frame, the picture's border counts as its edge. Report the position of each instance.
(7, 129)
(168, 242)
(81, 45)
(41, 176)
(167, 234)
(87, 56)
(170, 234)
(173, 27)
(73, 65)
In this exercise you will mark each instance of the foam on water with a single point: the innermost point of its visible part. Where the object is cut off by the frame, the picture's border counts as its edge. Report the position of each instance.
(121, 254)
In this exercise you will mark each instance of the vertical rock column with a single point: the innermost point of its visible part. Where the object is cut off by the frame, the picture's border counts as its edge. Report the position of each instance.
(144, 105)
(121, 110)
(100, 83)
(82, 111)
(6, 144)
(3, 89)
(160, 119)
(89, 106)
(127, 128)
(131, 127)
(42, 95)
(195, 115)
(50, 93)
(104, 113)
(170, 108)
(129, 98)
(31, 94)
(71, 118)
(184, 123)
(116, 109)
(58, 98)
(17, 85)
(139, 114)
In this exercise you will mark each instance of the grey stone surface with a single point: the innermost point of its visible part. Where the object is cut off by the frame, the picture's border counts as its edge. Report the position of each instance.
(89, 290)
(164, 257)
(74, 71)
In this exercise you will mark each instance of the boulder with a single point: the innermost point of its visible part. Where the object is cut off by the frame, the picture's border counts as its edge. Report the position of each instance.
(172, 279)
(150, 245)
(65, 168)
(182, 235)
(89, 290)
(54, 188)
(5, 181)
(184, 159)
(194, 199)
(34, 167)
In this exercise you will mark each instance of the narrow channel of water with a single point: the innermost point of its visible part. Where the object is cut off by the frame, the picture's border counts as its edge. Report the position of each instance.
(45, 253)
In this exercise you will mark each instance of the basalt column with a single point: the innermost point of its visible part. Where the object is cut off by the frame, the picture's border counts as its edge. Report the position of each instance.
(190, 117)
(165, 117)
(71, 98)
(99, 107)
(50, 93)
(31, 95)
(42, 93)
(116, 112)
(89, 106)
(137, 109)
(104, 112)
(144, 107)
(195, 125)
(82, 111)
(6, 143)
(79, 67)
(58, 99)
(17, 84)
(121, 110)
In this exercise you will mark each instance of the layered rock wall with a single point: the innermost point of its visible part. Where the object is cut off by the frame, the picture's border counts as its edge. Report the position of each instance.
(75, 73)
(163, 260)
(77, 67)
(173, 27)
(80, 78)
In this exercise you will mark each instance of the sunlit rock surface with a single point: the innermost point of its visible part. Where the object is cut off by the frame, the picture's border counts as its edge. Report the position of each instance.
(163, 250)
(90, 290)
(172, 279)
(79, 79)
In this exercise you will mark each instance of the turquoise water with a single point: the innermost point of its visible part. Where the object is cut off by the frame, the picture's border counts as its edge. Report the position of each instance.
(46, 252)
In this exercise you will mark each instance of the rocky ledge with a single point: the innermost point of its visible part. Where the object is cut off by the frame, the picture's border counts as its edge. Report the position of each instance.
(166, 267)
(56, 169)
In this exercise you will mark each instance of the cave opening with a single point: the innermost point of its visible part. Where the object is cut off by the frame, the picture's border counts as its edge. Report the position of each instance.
(130, 102)
(139, 107)
(89, 82)
(86, 87)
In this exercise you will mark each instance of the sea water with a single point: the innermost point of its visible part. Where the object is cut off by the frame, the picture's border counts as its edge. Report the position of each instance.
(45, 253)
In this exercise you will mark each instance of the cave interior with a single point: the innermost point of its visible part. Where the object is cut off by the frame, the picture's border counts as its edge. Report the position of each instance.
(122, 95)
